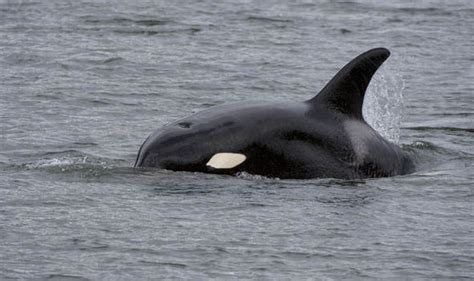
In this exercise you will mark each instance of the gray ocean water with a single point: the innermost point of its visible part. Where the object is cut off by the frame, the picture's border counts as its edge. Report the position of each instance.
(83, 83)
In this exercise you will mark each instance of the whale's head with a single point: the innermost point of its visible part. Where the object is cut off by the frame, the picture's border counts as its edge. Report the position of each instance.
(203, 142)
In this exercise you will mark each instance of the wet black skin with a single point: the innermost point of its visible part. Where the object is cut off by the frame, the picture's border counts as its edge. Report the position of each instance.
(325, 137)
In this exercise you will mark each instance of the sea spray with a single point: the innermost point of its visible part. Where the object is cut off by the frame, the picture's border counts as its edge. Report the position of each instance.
(383, 106)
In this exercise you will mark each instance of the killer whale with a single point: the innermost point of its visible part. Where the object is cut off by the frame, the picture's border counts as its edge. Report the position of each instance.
(324, 137)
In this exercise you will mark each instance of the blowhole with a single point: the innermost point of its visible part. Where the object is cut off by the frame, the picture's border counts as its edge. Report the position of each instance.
(185, 124)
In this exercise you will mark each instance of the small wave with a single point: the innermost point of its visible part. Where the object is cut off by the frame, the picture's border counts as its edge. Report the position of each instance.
(184, 190)
(98, 58)
(56, 162)
(428, 149)
(65, 164)
(136, 32)
(425, 11)
(65, 277)
(427, 156)
(191, 30)
(268, 19)
(84, 143)
(69, 161)
(148, 27)
(151, 22)
(248, 176)
(449, 129)
(394, 20)
(421, 145)
(292, 183)
(345, 31)
(304, 255)
(100, 102)
(455, 114)
(171, 264)
(126, 21)
(112, 60)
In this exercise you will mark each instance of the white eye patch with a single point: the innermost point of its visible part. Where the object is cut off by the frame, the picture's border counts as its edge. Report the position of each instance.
(226, 160)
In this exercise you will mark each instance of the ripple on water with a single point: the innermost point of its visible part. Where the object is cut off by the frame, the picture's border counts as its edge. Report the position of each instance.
(83, 84)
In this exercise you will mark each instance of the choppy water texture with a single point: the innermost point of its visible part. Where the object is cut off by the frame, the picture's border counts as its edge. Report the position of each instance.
(83, 83)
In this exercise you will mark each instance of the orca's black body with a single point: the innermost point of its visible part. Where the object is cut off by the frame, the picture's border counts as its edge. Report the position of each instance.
(325, 137)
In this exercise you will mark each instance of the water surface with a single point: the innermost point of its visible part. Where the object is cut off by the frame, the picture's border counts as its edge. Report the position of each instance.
(83, 83)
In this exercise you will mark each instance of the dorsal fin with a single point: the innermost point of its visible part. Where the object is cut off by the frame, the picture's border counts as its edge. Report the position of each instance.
(345, 92)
